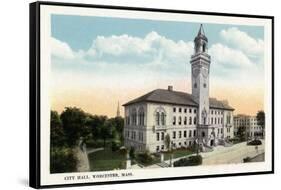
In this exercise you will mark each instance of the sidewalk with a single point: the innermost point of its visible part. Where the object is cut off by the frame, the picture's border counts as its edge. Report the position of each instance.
(224, 155)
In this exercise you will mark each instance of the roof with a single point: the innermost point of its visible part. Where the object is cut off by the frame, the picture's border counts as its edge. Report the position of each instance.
(177, 98)
(201, 34)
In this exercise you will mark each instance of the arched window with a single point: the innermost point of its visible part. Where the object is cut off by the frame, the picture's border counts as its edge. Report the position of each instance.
(141, 116)
(204, 47)
(163, 118)
(179, 120)
(194, 121)
(195, 85)
(204, 116)
(134, 116)
(190, 120)
(203, 134)
(160, 116)
(174, 120)
(185, 120)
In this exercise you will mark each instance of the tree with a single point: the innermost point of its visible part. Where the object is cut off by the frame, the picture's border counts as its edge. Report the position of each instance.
(106, 132)
(95, 124)
(119, 126)
(241, 133)
(73, 122)
(57, 133)
(62, 160)
(168, 141)
(261, 120)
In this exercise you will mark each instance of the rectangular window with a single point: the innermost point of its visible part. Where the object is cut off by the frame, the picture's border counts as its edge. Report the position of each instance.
(174, 134)
(162, 136)
(190, 133)
(179, 134)
(185, 110)
(157, 136)
(190, 110)
(184, 134)
(221, 130)
(157, 148)
(180, 110)
(174, 110)
(162, 147)
(194, 133)
(174, 120)
(194, 110)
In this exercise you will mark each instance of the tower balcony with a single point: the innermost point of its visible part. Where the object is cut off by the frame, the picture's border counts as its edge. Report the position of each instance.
(200, 56)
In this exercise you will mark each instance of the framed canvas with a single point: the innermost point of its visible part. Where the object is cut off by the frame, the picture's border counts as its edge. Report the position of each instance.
(126, 94)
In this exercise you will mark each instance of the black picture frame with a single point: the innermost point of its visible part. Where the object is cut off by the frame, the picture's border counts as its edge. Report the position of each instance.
(34, 92)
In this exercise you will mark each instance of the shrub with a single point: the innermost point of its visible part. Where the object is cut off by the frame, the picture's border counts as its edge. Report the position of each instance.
(123, 150)
(190, 161)
(254, 142)
(247, 159)
(62, 160)
(145, 157)
(115, 146)
(132, 153)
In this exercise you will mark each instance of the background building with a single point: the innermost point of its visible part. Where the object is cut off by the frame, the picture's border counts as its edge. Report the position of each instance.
(249, 124)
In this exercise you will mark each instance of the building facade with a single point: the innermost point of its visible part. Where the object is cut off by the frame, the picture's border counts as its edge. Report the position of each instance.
(184, 118)
(249, 124)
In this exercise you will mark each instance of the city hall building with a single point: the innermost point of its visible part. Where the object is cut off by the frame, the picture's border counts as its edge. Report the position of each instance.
(185, 118)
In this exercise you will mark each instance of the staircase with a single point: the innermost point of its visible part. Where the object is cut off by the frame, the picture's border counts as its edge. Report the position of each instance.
(225, 143)
(163, 165)
(207, 148)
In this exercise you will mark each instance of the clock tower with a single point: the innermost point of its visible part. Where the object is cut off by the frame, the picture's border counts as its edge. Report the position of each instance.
(200, 65)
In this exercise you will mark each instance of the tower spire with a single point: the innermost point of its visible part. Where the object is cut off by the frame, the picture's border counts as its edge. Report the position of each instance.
(201, 31)
(118, 110)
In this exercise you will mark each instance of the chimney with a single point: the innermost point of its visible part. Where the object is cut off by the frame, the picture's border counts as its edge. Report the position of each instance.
(170, 88)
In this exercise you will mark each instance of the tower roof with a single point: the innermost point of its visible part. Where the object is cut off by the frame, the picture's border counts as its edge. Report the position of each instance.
(201, 34)
(201, 30)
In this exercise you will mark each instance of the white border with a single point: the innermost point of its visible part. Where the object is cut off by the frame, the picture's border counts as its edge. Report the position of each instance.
(56, 179)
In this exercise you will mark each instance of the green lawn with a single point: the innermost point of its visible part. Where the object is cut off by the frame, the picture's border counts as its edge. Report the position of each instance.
(106, 160)
(178, 153)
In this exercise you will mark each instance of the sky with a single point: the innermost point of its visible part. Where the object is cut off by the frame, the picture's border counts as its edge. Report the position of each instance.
(99, 61)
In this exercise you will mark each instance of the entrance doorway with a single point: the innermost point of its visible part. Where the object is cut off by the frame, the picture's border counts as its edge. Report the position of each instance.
(212, 142)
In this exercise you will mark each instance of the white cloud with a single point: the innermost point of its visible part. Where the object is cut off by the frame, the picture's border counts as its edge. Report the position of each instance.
(150, 49)
(228, 57)
(61, 49)
(249, 45)
(155, 54)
